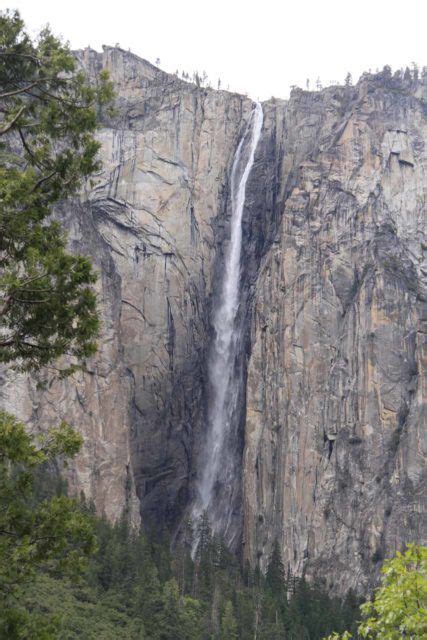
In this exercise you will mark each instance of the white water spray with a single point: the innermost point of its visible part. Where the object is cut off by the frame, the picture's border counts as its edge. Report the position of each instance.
(215, 488)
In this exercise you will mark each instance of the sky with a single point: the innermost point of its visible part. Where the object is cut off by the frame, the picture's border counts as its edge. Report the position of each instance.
(260, 48)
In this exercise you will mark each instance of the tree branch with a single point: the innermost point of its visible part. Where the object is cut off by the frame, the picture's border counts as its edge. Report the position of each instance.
(28, 149)
(33, 279)
(40, 182)
(10, 124)
(20, 55)
(8, 94)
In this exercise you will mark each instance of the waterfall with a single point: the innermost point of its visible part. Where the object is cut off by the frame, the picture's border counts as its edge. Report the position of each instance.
(217, 464)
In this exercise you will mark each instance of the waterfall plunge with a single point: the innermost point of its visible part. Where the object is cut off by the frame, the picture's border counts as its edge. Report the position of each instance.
(215, 487)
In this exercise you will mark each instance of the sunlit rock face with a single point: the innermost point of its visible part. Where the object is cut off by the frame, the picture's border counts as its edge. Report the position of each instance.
(329, 416)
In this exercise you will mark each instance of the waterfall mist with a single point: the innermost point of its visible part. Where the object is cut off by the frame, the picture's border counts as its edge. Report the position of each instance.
(217, 465)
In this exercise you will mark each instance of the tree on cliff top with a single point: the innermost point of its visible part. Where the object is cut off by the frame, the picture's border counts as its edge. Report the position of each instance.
(48, 117)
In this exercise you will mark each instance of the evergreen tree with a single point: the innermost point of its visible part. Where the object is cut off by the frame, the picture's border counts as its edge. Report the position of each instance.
(274, 602)
(204, 564)
(350, 611)
(169, 627)
(228, 623)
(48, 115)
(275, 576)
(192, 619)
(52, 534)
(147, 597)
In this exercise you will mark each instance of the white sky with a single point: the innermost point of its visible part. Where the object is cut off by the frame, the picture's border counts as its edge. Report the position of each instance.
(260, 48)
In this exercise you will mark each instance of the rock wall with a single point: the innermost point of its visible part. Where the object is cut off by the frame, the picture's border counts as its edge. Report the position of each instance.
(335, 421)
(149, 224)
(331, 427)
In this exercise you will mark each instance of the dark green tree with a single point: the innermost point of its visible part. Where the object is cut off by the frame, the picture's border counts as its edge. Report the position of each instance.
(275, 576)
(228, 623)
(52, 534)
(182, 562)
(204, 561)
(192, 619)
(274, 600)
(169, 619)
(48, 117)
(350, 611)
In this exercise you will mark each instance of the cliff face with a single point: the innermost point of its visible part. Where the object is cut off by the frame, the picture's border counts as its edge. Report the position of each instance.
(330, 426)
(333, 461)
(149, 224)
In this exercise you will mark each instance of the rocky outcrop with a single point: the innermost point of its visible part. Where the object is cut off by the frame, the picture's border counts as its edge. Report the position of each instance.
(330, 427)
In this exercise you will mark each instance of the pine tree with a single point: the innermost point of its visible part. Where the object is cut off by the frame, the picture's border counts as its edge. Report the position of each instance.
(275, 576)
(228, 623)
(204, 565)
(50, 534)
(48, 118)
(169, 620)
(147, 598)
(192, 619)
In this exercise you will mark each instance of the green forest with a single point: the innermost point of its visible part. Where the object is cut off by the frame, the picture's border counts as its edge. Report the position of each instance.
(66, 573)
(135, 587)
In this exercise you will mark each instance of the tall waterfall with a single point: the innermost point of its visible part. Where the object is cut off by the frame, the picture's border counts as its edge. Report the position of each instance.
(217, 464)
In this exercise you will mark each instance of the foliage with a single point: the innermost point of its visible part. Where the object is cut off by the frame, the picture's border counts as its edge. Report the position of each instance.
(399, 606)
(77, 610)
(48, 117)
(228, 622)
(133, 587)
(52, 533)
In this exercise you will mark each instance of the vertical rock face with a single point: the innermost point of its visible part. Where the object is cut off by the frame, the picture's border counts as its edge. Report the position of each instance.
(333, 461)
(162, 190)
(331, 424)
(149, 223)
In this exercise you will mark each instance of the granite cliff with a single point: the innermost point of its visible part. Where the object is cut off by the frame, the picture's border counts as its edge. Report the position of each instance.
(330, 428)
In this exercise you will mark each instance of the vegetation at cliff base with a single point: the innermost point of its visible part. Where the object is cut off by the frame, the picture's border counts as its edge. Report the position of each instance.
(52, 533)
(65, 573)
(133, 587)
(398, 608)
